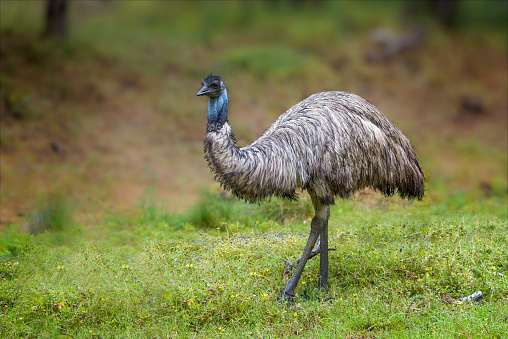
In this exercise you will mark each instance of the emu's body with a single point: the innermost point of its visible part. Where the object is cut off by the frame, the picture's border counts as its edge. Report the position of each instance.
(330, 144)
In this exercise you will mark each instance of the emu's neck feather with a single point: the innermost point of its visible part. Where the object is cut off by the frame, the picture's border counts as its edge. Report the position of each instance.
(252, 172)
(217, 112)
(221, 152)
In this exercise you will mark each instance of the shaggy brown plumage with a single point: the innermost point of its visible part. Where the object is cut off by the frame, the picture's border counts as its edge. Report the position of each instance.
(335, 142)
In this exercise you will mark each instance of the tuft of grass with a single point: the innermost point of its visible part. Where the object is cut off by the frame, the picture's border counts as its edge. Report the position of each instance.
(54, 214)
(14, 244)
(287, 212)
(212, 210)
(215, 209)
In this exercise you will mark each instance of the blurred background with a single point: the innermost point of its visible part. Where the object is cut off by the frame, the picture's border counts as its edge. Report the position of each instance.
(98, 98)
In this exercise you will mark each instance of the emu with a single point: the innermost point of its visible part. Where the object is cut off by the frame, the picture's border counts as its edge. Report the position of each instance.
(331, 144)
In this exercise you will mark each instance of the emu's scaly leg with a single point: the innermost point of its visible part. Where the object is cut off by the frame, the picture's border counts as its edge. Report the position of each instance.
(323, 256)
(318, 228)
(315, 227)
(288, 266)
(323, 214)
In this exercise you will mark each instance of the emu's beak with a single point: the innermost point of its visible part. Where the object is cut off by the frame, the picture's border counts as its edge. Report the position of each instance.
(202, 91)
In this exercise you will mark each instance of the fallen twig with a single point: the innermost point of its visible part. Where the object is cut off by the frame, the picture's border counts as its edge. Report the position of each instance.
(470, 298)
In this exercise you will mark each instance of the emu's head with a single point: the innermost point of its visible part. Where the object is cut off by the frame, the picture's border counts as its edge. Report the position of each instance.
(212, 86)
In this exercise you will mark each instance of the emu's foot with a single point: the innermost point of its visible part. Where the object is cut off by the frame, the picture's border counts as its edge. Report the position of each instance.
(323, 285)
(304, 296)
(286, 298)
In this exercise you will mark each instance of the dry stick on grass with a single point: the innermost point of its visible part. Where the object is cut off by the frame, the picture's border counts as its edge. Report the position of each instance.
(470, 298)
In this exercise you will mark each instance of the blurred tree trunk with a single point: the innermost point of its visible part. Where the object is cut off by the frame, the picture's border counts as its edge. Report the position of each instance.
(445, 11)
(56, 18)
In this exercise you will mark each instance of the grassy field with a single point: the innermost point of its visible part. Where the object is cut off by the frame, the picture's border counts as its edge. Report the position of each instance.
(158, 276)
(111, 225)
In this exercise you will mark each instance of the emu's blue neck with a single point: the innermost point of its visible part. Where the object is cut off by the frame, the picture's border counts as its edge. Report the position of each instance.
(217, 112)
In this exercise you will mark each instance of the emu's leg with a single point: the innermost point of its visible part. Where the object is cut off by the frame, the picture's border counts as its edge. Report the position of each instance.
(323, 213)
(288, 266)
(323, 256)
(315, 228)
(318, 227)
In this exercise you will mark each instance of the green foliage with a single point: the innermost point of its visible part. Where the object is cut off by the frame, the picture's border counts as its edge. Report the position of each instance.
(483, 13)
(152, 213)
(283, 211)
(212, 210)
(14, 244)
(215, 209)
(276, 61)
(54, 214)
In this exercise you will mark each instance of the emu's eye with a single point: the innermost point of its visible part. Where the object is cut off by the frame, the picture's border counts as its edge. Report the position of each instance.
(215, 86)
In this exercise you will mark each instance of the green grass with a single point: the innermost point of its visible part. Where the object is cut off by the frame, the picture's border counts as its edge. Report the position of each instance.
(392, 267)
